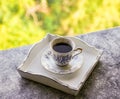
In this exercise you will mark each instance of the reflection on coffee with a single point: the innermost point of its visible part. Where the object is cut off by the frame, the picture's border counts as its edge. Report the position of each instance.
(62, 47)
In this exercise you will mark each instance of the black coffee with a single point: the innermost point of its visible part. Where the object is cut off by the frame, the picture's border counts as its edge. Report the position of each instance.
(62, 47)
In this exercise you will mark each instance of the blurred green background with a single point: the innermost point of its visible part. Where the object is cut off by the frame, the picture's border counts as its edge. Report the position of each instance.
(24, 22)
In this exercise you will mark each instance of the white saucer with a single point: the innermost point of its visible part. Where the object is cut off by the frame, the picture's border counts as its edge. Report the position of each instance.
(48, 63)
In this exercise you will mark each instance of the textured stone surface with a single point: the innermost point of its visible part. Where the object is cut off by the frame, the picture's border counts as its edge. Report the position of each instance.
(103, 82)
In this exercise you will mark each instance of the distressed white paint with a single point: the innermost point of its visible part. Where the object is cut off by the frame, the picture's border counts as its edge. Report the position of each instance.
(68, 82)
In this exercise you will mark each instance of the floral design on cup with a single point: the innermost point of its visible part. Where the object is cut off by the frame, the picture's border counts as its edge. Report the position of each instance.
(62, 60)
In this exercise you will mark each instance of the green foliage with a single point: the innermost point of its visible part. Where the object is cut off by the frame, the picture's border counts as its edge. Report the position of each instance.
(25, 22)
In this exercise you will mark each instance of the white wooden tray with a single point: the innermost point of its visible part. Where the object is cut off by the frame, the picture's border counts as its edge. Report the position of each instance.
(71, 83)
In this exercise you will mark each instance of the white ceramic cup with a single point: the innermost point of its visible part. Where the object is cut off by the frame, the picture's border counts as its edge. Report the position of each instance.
(63, 58)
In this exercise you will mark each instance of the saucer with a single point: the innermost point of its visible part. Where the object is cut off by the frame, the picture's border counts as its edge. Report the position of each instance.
(48, 63)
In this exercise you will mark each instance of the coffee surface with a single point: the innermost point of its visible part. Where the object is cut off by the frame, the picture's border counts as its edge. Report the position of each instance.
(62, 47)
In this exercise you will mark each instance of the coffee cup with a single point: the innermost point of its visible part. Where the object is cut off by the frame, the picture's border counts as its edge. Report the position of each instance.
(63, 50)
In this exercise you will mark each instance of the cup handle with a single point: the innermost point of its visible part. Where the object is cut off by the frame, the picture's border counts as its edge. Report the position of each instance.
(77, 49)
